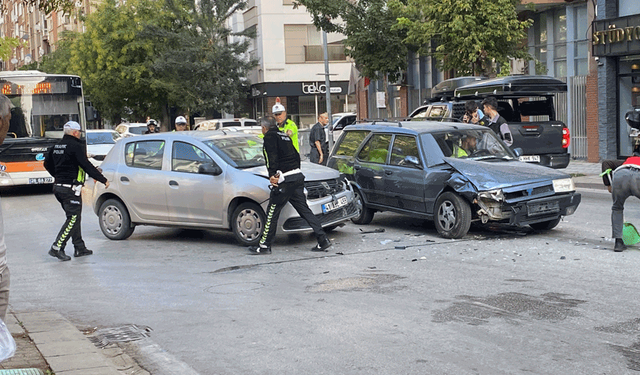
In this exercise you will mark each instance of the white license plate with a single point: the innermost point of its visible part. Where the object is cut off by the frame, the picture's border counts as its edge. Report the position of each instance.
(41, 180)
(530, 158)
(328, 207)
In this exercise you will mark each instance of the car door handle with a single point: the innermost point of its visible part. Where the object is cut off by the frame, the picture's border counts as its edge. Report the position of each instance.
(124, 179)
(173, 183)
(388, 173)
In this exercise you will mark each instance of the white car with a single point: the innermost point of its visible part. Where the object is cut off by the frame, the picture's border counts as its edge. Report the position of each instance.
(131, 129)
(99, 143)
(339, 121)
(234, 123)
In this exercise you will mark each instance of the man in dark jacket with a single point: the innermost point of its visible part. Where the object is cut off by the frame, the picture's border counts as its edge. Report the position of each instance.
(67, 163)
(494, 121)
(318, 141)
(287, 185)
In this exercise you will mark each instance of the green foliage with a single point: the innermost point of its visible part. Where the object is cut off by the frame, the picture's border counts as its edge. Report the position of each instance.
(7, 45)
(377, 48)
(470, 36)
(202, 66)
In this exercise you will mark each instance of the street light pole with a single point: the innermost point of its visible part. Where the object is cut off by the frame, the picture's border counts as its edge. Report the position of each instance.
(328, 86)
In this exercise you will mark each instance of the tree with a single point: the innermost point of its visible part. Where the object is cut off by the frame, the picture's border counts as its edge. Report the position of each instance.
(204, 64)
(378, 49)
(469, 35)
(7, 46)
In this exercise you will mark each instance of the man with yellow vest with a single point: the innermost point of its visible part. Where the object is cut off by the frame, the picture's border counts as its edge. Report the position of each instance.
(284, 124)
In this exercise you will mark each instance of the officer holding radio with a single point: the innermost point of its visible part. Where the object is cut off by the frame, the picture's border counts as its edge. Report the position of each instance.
(67, 162)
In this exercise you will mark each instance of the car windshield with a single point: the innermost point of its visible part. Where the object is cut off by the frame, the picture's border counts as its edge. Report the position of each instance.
(335, 118)
(137, 129)
(101, 138)
(243, 151)
(472, 144)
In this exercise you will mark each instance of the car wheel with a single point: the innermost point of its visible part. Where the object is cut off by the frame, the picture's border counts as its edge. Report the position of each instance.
(247, 223)
(114, 219)
(545, 225)
(453, 216)
(365, 215)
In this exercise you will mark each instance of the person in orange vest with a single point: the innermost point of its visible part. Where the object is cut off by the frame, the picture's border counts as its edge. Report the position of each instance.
(625, 183)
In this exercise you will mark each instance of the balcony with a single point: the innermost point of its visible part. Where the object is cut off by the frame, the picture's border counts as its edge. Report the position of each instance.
(315, 53)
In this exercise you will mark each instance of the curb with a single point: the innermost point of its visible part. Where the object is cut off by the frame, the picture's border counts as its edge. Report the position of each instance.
(65, 349)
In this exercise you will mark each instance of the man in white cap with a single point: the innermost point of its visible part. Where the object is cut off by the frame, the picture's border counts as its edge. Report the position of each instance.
(67, 162)
(181, 124)
(284, 124)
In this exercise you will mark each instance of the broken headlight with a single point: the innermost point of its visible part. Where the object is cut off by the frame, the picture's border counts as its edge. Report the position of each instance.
(495, 195)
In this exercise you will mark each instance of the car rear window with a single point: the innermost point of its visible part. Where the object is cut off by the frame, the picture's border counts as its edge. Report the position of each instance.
(137, 129)
(350, 142)
(144, 154)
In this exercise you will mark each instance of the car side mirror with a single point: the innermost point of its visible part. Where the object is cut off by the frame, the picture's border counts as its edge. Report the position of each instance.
(412, 160)
(210, 169)
(518, 151)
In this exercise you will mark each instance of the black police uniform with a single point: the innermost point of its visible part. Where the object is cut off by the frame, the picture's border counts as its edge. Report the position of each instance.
(281, 156)
(67, 162)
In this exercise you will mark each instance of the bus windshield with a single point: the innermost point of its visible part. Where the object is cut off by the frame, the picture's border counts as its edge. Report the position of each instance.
(42, 103)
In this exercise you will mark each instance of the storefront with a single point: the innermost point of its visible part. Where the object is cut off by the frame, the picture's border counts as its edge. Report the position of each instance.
(304, 101)
(616, 46)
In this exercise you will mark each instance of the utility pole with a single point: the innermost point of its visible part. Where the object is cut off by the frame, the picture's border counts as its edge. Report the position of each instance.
(327, 83)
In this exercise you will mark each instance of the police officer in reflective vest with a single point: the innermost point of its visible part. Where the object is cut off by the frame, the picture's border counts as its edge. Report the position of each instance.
(626, 183)
(287, 185)
(67, 162)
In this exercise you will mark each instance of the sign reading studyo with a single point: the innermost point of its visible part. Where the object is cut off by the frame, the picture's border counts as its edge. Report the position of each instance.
(616, 37)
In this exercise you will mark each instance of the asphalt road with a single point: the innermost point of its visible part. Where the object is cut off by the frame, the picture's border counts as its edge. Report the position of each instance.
(405, 301)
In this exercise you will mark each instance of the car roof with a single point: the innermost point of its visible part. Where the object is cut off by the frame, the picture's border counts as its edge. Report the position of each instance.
(201, 135)
(414, 127)
(100, 130)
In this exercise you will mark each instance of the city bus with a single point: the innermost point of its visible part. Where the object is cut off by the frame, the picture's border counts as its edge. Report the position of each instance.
(41, 104)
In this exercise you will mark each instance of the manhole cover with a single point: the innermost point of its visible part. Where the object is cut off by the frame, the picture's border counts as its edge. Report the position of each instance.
(126, 333)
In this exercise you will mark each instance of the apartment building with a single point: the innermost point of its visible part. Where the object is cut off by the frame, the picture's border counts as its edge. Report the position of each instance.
(291, 62)
(39, 32)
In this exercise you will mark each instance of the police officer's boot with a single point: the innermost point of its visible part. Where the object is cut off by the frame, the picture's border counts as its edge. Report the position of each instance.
(59, 254)
(82, 252)
(619, 246)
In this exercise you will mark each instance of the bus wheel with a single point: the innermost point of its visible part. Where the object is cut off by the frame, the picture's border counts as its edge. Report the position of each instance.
(115, 222)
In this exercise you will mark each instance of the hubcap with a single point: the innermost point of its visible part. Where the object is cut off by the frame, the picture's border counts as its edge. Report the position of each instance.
(447, 215)
(111, 220)
(358, 202)
(249, 224)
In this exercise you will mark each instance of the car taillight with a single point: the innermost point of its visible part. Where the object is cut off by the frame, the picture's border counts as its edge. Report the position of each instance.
(566, 137)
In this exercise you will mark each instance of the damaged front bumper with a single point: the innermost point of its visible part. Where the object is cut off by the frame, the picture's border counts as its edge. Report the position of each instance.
(493, 207)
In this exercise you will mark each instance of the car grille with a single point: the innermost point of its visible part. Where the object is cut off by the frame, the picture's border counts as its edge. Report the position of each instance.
(324, 188)
(528, 192)
(299, 223)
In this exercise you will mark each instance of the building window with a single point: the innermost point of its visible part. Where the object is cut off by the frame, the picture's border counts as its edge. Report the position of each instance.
(540, 38)
(581, 25)
(560, 42)
(303, 43)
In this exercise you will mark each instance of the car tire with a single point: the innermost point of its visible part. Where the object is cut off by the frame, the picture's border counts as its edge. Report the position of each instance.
(365, 214)
(114, 220)
(452, 216)
(247, 223)
(545, 225)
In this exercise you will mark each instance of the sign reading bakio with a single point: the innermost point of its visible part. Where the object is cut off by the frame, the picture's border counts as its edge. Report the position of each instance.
(616, 37)
(297, 88)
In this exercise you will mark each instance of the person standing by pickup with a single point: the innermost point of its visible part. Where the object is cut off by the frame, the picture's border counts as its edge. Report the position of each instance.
(318, 141)
(494, 121)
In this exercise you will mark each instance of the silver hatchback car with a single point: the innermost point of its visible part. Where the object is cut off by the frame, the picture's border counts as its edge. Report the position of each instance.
(206, 180)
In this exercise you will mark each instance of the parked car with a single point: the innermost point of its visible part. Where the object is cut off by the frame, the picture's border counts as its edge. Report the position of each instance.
(206, 180)
(430, 170)
(131, 129)
(99, 142)
(217, 124)
(526, 102)
(339, 121)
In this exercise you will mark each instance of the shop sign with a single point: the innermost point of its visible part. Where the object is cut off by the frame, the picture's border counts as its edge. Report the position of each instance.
(314, 88)
(616, 37)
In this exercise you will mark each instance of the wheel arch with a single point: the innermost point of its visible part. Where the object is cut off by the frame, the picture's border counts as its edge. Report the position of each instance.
(235, 202)
(103, 198)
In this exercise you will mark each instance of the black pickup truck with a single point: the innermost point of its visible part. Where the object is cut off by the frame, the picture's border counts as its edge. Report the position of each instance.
(526, 102)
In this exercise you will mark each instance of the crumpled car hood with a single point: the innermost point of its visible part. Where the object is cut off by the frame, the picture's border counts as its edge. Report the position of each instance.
(311, 171)
(485, 175)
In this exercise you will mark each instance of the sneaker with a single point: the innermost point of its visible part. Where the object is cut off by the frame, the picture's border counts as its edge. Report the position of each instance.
(259, 250)
(82, 252)
(619, 246)
(59, 254)
(322, 245)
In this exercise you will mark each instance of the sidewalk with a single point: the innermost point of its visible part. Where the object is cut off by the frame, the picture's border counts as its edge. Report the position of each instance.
(48, 343)
(585, 174)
